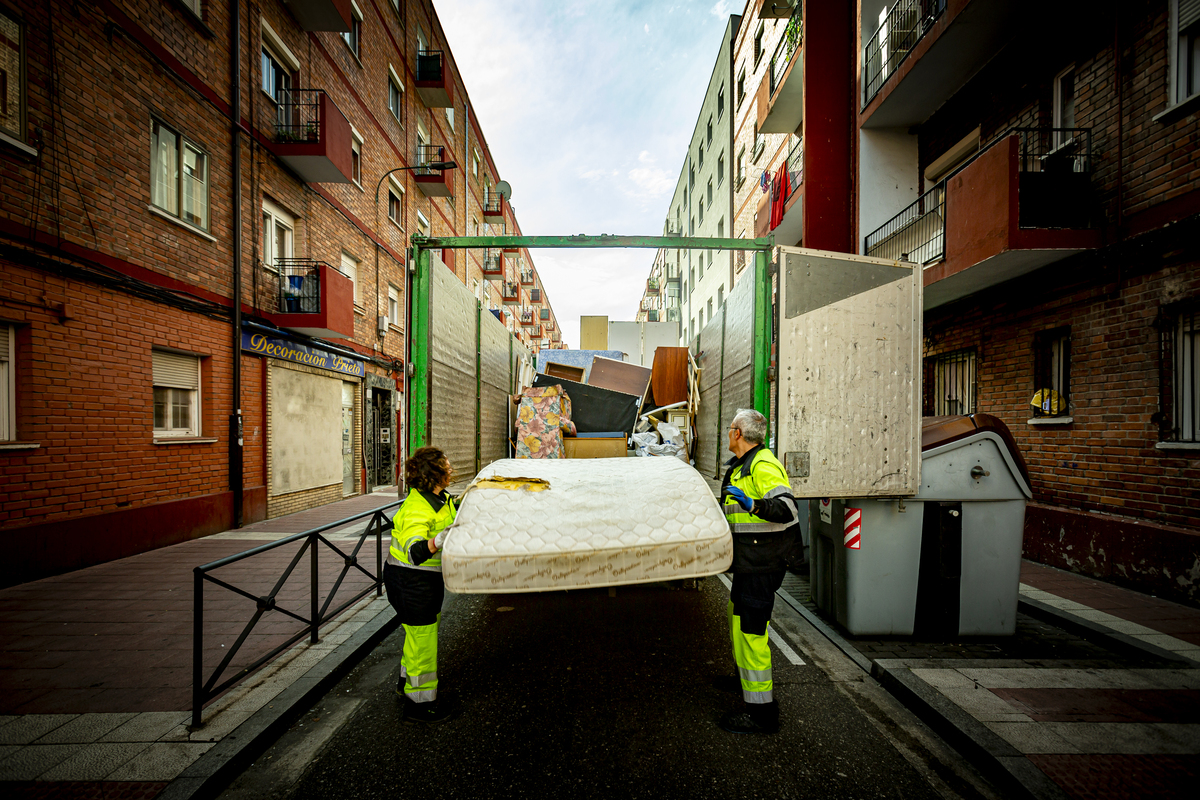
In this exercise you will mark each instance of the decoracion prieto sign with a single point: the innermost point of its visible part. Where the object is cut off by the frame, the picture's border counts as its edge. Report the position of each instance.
(301, 354)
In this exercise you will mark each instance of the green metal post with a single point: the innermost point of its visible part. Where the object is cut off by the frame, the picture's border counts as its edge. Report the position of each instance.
(419, 400)
(478, 385)
(762, 337)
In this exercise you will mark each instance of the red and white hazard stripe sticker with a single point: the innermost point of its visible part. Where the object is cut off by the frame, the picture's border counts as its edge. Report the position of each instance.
(852, 530)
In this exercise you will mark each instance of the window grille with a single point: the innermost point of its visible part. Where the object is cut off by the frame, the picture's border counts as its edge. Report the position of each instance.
(1052, 373)
(950, 383)
(1179, 416)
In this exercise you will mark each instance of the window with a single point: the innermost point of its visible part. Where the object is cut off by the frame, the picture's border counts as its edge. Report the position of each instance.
(1052, 373)
(721, 295)
(176, 394)
(12, 76)
(422, 135)
(701, 209)
(1064, 105)
(422, 224)
(710, 131)
(700, 263)
(721, 101)
(700, 155)
(1179, 417)
(1185, 50)
(741, 87)
(710, 193)
(475, 164)
(349, 268)
(950, 384)
(759, 144)
(394, 306)
(450, 117)
(395, 202)
(691, 176)
(356, 159)
(710, 309)
(395, 95)
(276, 80)
(278, 231)
(353, 36)
(758, 44)
(8, 383)
(700, 316)
(741, 166)
(691, 225)
(721, 228)
(721, 168)
(179, 176)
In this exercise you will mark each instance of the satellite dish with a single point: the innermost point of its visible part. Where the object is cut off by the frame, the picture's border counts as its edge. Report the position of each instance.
(504, 190)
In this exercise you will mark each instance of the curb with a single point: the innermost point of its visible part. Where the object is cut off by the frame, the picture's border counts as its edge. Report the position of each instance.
(829, 633)
(227, 758)
(1097, 633)
(997, 759)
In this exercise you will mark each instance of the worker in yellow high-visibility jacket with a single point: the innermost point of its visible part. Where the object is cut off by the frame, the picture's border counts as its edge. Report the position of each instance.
(413, 577)
(757, 497)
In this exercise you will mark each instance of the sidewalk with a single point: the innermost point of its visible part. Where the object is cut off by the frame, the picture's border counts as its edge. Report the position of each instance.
(1096, 696)
(96, 665)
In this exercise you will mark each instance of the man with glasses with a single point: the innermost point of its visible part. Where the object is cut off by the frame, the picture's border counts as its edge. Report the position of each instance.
(758, 502)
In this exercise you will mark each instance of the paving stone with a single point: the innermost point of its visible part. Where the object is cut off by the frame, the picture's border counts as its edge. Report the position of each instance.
(93, 762)
(84, 728)
(30, 762)
(1127, 737)
(983, 705)
(1032, 738)
(160, 762)
(149, 726)
(30, 727)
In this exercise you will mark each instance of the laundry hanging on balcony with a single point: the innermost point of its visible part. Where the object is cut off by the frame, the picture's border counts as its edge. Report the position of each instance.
(764, 180)
(781, 188)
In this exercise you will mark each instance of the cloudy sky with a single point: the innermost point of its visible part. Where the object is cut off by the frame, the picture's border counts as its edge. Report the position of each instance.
(588, 108)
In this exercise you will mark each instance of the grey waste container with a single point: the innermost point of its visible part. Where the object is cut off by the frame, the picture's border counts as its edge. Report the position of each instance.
(946, 562)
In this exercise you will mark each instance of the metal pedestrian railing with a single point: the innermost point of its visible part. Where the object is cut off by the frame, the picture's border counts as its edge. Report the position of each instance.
(299, 115)
(918, 233)
(205, 689)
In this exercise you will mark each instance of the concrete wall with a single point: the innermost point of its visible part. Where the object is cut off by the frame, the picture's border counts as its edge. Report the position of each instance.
(888, 176)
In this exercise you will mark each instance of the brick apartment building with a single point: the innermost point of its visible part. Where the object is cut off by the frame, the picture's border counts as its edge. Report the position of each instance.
(202, 259)
(1047, 176)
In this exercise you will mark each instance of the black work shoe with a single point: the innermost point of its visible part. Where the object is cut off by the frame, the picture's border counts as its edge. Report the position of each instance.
(756, 718)
(439, 710)
(727, 683)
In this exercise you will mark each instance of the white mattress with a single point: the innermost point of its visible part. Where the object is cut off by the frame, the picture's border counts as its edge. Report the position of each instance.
(600, 522)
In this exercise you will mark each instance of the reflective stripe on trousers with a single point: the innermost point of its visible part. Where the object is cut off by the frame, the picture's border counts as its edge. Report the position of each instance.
(419, 662)
(753, 657)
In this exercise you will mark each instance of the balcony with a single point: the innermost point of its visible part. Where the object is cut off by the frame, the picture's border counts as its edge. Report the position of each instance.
(433, 82)
(315, 299)
(781, 94)
(527, 278)
(781, 210)
(652, 286)
(924, 51)
(528, 317)
(510, 293)
(313, 137)
(493, 264)
(1022, 203)
(673, 314)
(322, 15)
(652, 315)
(535, 295)
(494, 207)
(433, 182)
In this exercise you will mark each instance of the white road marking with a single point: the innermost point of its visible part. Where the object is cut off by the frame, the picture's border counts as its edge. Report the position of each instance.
(783, 646)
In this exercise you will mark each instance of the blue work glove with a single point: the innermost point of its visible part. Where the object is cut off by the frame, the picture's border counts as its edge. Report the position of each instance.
(741, 497)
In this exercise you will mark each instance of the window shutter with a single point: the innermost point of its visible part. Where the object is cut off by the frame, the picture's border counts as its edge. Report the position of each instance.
(176, 371)
(4, 337)
(1189, 12)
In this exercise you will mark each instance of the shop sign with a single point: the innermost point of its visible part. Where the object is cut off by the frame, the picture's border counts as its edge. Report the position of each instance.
(301, 354)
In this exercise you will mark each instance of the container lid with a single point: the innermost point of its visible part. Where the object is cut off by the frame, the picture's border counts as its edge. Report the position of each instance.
(938, 431)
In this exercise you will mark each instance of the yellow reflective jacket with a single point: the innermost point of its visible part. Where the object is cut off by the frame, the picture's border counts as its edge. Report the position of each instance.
(761, 537)
(421, 517)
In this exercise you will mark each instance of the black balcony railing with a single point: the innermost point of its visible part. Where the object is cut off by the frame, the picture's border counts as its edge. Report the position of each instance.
(526, 276)
(789, 45)
(429, 154)
(299, 115)
(897, 35)
(492, 263)
(272, 602)
(429, 65)
(511, 290)
(493, 203)
(795, 166)
(299, 285)
(918, 233)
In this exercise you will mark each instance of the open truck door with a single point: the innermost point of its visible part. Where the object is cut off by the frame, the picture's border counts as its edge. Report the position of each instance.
(849, 374)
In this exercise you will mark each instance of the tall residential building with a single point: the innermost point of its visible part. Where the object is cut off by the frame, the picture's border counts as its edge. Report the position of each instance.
(698, 281)
(203, 236)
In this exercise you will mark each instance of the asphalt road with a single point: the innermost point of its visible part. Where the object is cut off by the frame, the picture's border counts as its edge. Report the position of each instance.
(584, 694)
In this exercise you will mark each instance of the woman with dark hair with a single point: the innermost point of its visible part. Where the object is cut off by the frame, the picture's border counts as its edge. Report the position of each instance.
(413, 576)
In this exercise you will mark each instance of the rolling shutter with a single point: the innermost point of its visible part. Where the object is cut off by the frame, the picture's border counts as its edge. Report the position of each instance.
(175, 370)
(1189, 13)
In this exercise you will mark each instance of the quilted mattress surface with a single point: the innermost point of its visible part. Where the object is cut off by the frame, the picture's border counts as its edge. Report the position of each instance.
(578, 523)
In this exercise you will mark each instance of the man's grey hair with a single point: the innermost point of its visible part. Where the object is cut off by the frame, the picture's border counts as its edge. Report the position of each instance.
(752, 424)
